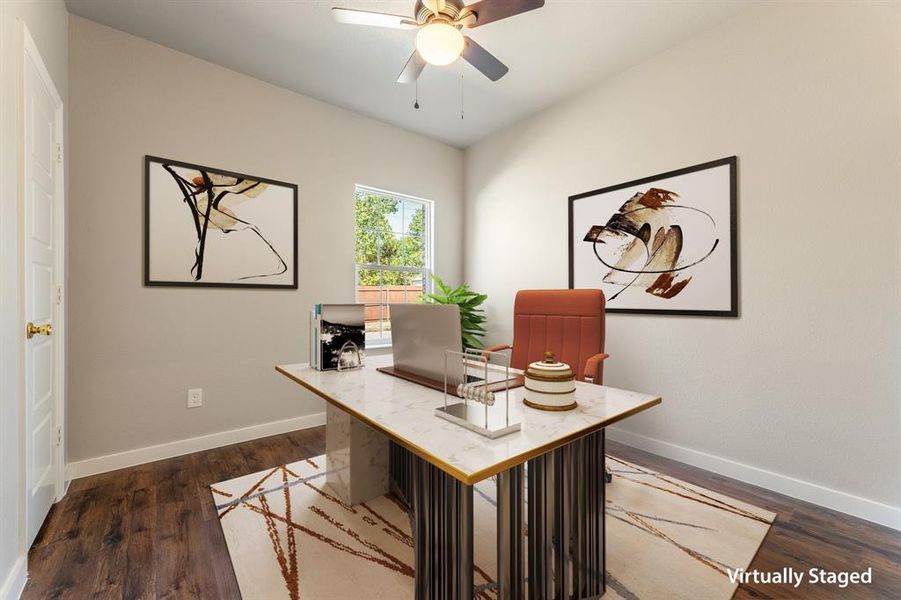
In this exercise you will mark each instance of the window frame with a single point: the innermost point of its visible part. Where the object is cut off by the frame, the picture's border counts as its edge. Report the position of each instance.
(428, 259)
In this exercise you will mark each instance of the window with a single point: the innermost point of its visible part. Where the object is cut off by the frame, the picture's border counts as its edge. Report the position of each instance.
(393, 255)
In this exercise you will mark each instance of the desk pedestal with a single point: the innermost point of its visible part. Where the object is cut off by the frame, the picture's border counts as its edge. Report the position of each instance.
(442, 533)
(356, 458)
(566, 521)
(566, 518)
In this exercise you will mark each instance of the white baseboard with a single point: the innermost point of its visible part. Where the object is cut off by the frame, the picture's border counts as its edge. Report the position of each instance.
(883, 514)
(864, 508)
(139, 456)
(15, 580)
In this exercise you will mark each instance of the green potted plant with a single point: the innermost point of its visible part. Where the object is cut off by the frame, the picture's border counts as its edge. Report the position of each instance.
(472, 316)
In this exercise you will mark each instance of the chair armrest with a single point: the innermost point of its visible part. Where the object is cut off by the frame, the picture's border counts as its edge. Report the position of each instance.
(485, 351)
(591, 366)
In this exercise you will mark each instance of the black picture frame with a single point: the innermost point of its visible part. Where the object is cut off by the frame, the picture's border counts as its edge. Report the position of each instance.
(732, 162)
(148, 161)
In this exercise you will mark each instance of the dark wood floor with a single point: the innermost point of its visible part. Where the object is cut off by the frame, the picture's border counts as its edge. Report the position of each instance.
(151, 531)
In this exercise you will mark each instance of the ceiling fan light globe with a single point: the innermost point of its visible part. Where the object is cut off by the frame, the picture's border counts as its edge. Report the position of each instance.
(439, 44)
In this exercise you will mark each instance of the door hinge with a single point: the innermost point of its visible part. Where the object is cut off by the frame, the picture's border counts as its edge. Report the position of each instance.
(59, 152)
(59, 294)
(59, 435)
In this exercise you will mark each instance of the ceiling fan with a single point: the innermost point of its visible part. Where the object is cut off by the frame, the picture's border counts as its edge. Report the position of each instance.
(439, 40)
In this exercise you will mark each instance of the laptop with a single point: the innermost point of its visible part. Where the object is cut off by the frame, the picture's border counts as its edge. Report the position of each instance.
(420, 333)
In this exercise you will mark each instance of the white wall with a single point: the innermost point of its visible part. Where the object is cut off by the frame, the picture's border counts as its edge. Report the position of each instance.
(135, 349)
(802, 392)
(47, 22)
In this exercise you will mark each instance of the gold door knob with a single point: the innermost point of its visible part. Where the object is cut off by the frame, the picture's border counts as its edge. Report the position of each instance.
(31, 330)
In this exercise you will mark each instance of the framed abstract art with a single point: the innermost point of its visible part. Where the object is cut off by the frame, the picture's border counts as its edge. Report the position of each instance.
(665, 244)
(215, 228)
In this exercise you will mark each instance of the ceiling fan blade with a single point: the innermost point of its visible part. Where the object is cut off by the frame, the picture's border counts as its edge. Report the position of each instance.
(374, 19)
(436, 6)
(415, 65)
(483, 60)
(488, 11)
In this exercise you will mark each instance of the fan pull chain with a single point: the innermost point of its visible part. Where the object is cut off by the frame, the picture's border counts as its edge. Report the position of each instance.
(416, 98)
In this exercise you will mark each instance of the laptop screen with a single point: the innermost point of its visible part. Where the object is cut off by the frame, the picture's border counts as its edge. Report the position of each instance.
(420, 333)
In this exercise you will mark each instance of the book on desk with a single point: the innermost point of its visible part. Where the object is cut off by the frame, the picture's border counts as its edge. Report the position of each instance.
(337, 336)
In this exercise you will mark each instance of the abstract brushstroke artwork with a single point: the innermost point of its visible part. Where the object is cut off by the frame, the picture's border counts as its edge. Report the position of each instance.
(208, 227)
(662, 244)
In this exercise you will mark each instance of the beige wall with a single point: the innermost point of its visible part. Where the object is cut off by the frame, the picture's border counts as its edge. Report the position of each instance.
(803, 389)
(136, 350)
(46, 22)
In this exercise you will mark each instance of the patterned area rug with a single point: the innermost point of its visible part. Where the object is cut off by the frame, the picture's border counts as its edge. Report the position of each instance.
(290, 537)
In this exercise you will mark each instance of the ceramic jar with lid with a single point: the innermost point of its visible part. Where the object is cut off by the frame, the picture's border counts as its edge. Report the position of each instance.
(550, 385)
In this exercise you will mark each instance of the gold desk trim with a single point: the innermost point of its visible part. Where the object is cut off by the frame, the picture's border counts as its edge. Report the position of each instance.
(550, 408)
(453, 471)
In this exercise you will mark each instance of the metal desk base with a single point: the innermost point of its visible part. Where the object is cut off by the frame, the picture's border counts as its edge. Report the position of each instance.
(442, 534)
(565, 541)
(566, 521)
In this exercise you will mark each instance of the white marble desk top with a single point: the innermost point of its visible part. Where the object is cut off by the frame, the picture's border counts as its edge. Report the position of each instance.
(404, 411)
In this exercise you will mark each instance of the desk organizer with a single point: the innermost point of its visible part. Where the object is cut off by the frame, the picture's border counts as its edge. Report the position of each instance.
(550, 385)
(483, 381)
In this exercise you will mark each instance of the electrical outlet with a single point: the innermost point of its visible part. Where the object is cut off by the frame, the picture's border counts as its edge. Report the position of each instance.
(195, 398)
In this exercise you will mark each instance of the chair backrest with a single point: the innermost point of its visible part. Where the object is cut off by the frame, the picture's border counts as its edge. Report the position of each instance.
(570, 323)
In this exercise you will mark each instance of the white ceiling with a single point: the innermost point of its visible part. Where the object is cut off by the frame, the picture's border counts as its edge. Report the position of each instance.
(552, 52)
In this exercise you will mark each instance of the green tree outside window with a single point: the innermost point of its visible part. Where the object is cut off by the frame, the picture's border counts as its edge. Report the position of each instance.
(377, 243)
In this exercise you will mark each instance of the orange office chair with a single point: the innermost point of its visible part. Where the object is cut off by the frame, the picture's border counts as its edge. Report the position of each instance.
(569, 323)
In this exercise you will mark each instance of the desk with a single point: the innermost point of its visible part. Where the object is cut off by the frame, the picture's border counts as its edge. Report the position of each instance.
(565, 456)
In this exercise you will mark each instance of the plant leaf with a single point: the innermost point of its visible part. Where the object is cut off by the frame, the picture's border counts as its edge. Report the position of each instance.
(468, 301)
(441, 285)
(471, 342)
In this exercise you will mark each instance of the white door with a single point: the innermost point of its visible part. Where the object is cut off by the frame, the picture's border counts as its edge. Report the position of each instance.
(41, 136)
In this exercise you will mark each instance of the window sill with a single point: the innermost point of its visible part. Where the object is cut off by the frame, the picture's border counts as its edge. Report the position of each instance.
(381, 349)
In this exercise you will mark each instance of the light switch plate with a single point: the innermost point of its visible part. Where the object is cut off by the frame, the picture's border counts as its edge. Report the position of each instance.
(195, 398)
